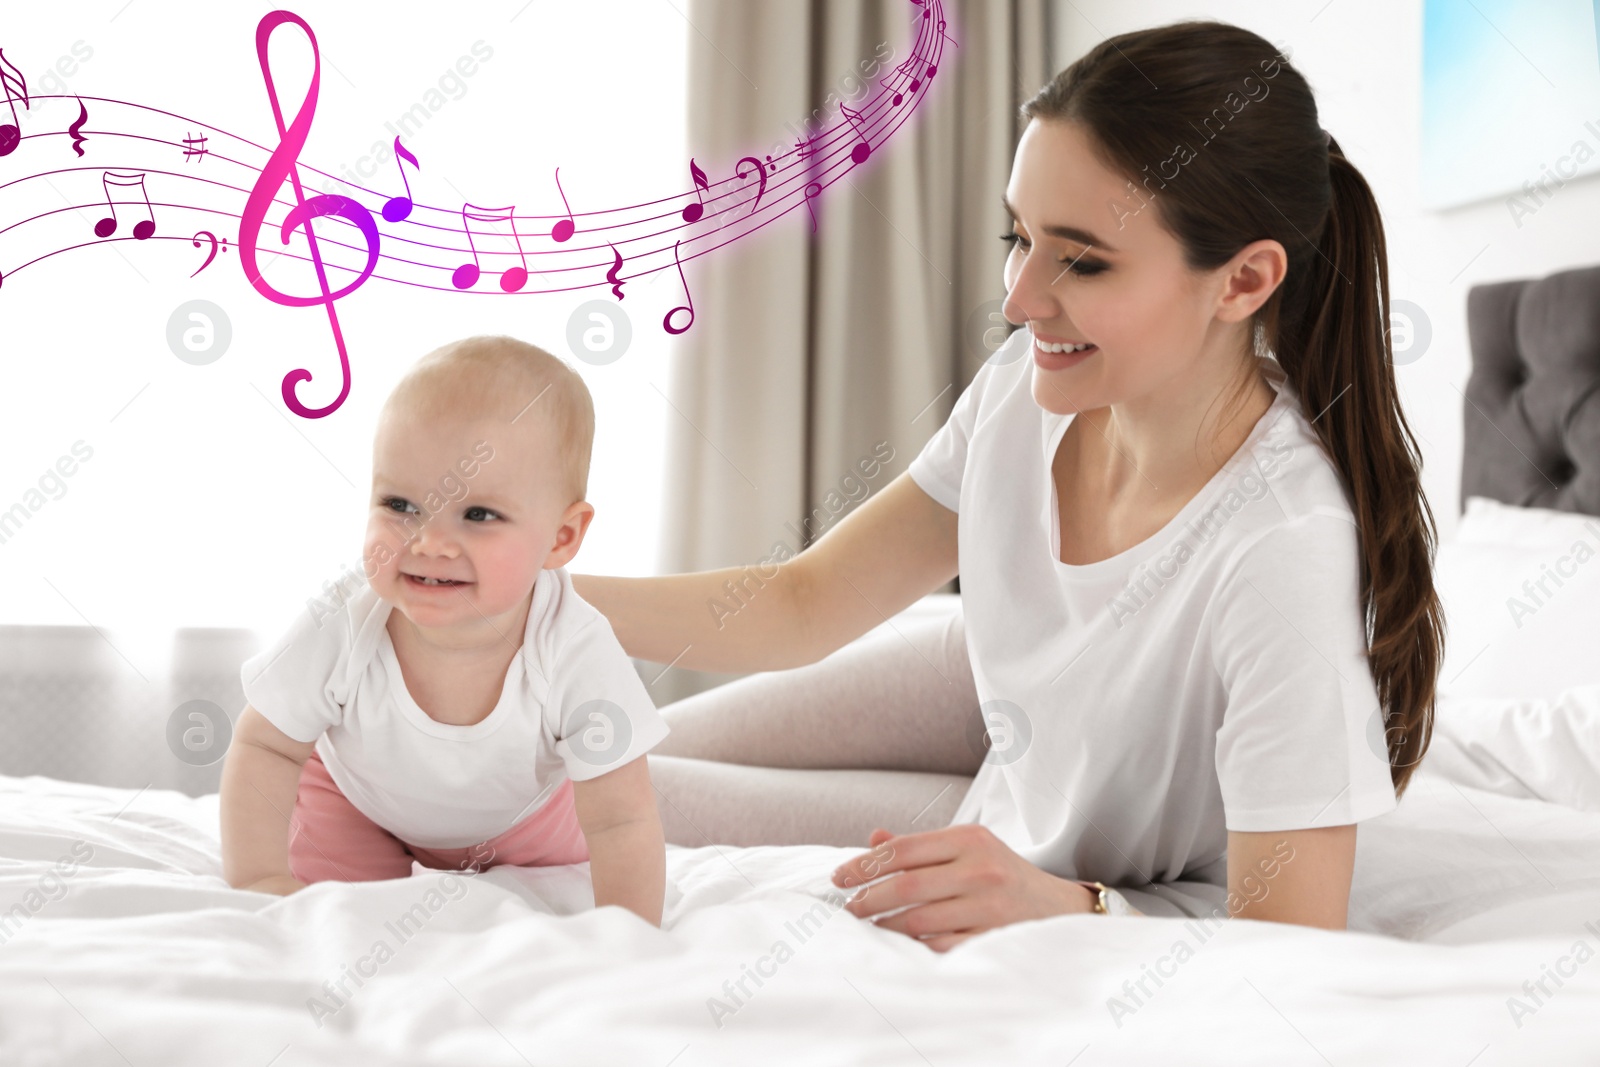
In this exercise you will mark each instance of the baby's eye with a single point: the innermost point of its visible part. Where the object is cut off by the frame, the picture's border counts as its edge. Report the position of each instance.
(390, 503)
(477, 512)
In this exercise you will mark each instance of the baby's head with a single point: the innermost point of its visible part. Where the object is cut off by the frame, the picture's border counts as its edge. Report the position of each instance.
(479, 472)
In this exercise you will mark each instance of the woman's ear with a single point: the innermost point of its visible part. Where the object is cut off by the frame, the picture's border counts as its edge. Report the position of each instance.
(569, 535)
(1250, 278)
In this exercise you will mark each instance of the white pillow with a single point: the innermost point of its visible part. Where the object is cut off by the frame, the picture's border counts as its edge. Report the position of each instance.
(1488, 521)
(1535, 749)
(1523, 620)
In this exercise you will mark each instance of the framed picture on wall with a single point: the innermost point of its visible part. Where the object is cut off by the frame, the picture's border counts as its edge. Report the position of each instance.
(1510, 100)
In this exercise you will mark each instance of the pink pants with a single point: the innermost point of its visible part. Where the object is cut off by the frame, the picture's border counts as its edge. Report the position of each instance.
(329, 840)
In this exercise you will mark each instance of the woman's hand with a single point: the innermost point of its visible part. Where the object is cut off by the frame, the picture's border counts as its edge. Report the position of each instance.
(281, 884)
(960, 881)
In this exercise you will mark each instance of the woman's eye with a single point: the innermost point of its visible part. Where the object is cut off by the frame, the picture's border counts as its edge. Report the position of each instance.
(1014, 238)
(1084, 268)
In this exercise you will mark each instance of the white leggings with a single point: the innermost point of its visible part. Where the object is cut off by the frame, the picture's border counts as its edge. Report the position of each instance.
(884, 732)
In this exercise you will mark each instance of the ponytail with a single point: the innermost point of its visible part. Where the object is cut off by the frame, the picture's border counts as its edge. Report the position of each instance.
(1334, 345)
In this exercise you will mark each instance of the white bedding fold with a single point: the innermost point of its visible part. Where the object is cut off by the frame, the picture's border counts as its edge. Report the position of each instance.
(145, 956)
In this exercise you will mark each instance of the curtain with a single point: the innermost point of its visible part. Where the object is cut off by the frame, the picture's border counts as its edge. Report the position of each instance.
(814, 356)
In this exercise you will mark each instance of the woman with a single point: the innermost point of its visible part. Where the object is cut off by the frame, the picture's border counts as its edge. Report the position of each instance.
(1196, 580)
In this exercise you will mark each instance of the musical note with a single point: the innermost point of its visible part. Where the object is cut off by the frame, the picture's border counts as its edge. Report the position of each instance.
(667, 320)
(563, 229)
(108, 225)
(812, 190)
(194, 146)
(761, 173)
(466, 275)
(693, 212)
(611, 275)
(805, 149)
(213, 253)
(946, 36)
(15, 86)
(78, 138)
(861, 151)
(398, 208)
(281, 165)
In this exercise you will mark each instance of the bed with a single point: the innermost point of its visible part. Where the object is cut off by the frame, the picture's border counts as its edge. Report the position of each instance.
(1475, 915)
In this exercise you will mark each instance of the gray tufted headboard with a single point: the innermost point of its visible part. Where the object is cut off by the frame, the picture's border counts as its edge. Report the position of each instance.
(1532, 433)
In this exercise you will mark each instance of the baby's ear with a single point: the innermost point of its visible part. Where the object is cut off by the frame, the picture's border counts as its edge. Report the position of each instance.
(569, 535)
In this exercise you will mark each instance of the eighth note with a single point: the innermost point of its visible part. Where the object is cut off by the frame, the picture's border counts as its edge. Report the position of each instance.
(861, 151)
(194, 146)
(15, 86)
(693, 212)
(398, 208)
(466, 275)
(144, 228)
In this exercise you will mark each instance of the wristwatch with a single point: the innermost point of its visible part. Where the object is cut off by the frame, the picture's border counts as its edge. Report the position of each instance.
(1107, 900)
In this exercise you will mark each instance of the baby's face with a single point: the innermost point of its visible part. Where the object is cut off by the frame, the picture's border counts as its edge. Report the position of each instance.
(478, 504)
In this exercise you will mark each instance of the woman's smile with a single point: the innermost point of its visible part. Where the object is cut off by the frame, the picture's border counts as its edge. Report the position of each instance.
(1059, 355)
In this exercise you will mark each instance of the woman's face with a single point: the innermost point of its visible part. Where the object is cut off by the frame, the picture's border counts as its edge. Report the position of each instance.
(1090, 263)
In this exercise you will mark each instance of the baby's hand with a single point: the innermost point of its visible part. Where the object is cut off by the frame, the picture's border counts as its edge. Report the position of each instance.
(281, 884)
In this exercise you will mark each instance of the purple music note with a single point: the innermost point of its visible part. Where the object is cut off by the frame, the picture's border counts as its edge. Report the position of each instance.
(814, 189)
(398, 208)
(563, 230)
(108, 225)
(466, 275)
(693, 212)
(16, 87)
(667, 321)
(861, 151)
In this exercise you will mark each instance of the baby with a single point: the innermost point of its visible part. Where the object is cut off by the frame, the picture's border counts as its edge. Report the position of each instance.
(458, 705)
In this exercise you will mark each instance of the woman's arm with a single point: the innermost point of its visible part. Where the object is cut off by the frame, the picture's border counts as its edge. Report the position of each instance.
(899, 545)
(1293, 876)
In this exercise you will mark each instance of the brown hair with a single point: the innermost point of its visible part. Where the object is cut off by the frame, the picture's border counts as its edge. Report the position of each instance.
(501, 378)
(1258, 171)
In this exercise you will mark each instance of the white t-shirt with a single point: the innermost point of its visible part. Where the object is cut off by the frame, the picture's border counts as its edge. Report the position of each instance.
(571, 707)
(1211, 678)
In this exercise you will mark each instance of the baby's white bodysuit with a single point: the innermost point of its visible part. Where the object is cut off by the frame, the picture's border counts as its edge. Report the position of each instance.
(572, 707)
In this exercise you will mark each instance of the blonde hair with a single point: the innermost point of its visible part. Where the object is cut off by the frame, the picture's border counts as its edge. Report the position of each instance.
(502, 379)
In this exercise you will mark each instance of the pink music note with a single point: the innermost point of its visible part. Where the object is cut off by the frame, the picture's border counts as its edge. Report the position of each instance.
(108, 225)
(16, 87)
(861, 151)
(466, 275)
(563, 230)
(398, 208)
(667, 320)
(812, 190)
(805, 149)
(693, 212)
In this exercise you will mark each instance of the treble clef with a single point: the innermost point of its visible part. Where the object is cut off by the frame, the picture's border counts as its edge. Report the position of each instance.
(281, 165)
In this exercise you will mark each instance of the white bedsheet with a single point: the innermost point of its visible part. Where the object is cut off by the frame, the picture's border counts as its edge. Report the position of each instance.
(145, 957)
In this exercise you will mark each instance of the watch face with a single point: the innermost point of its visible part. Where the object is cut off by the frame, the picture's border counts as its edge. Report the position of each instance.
(1116, 903)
